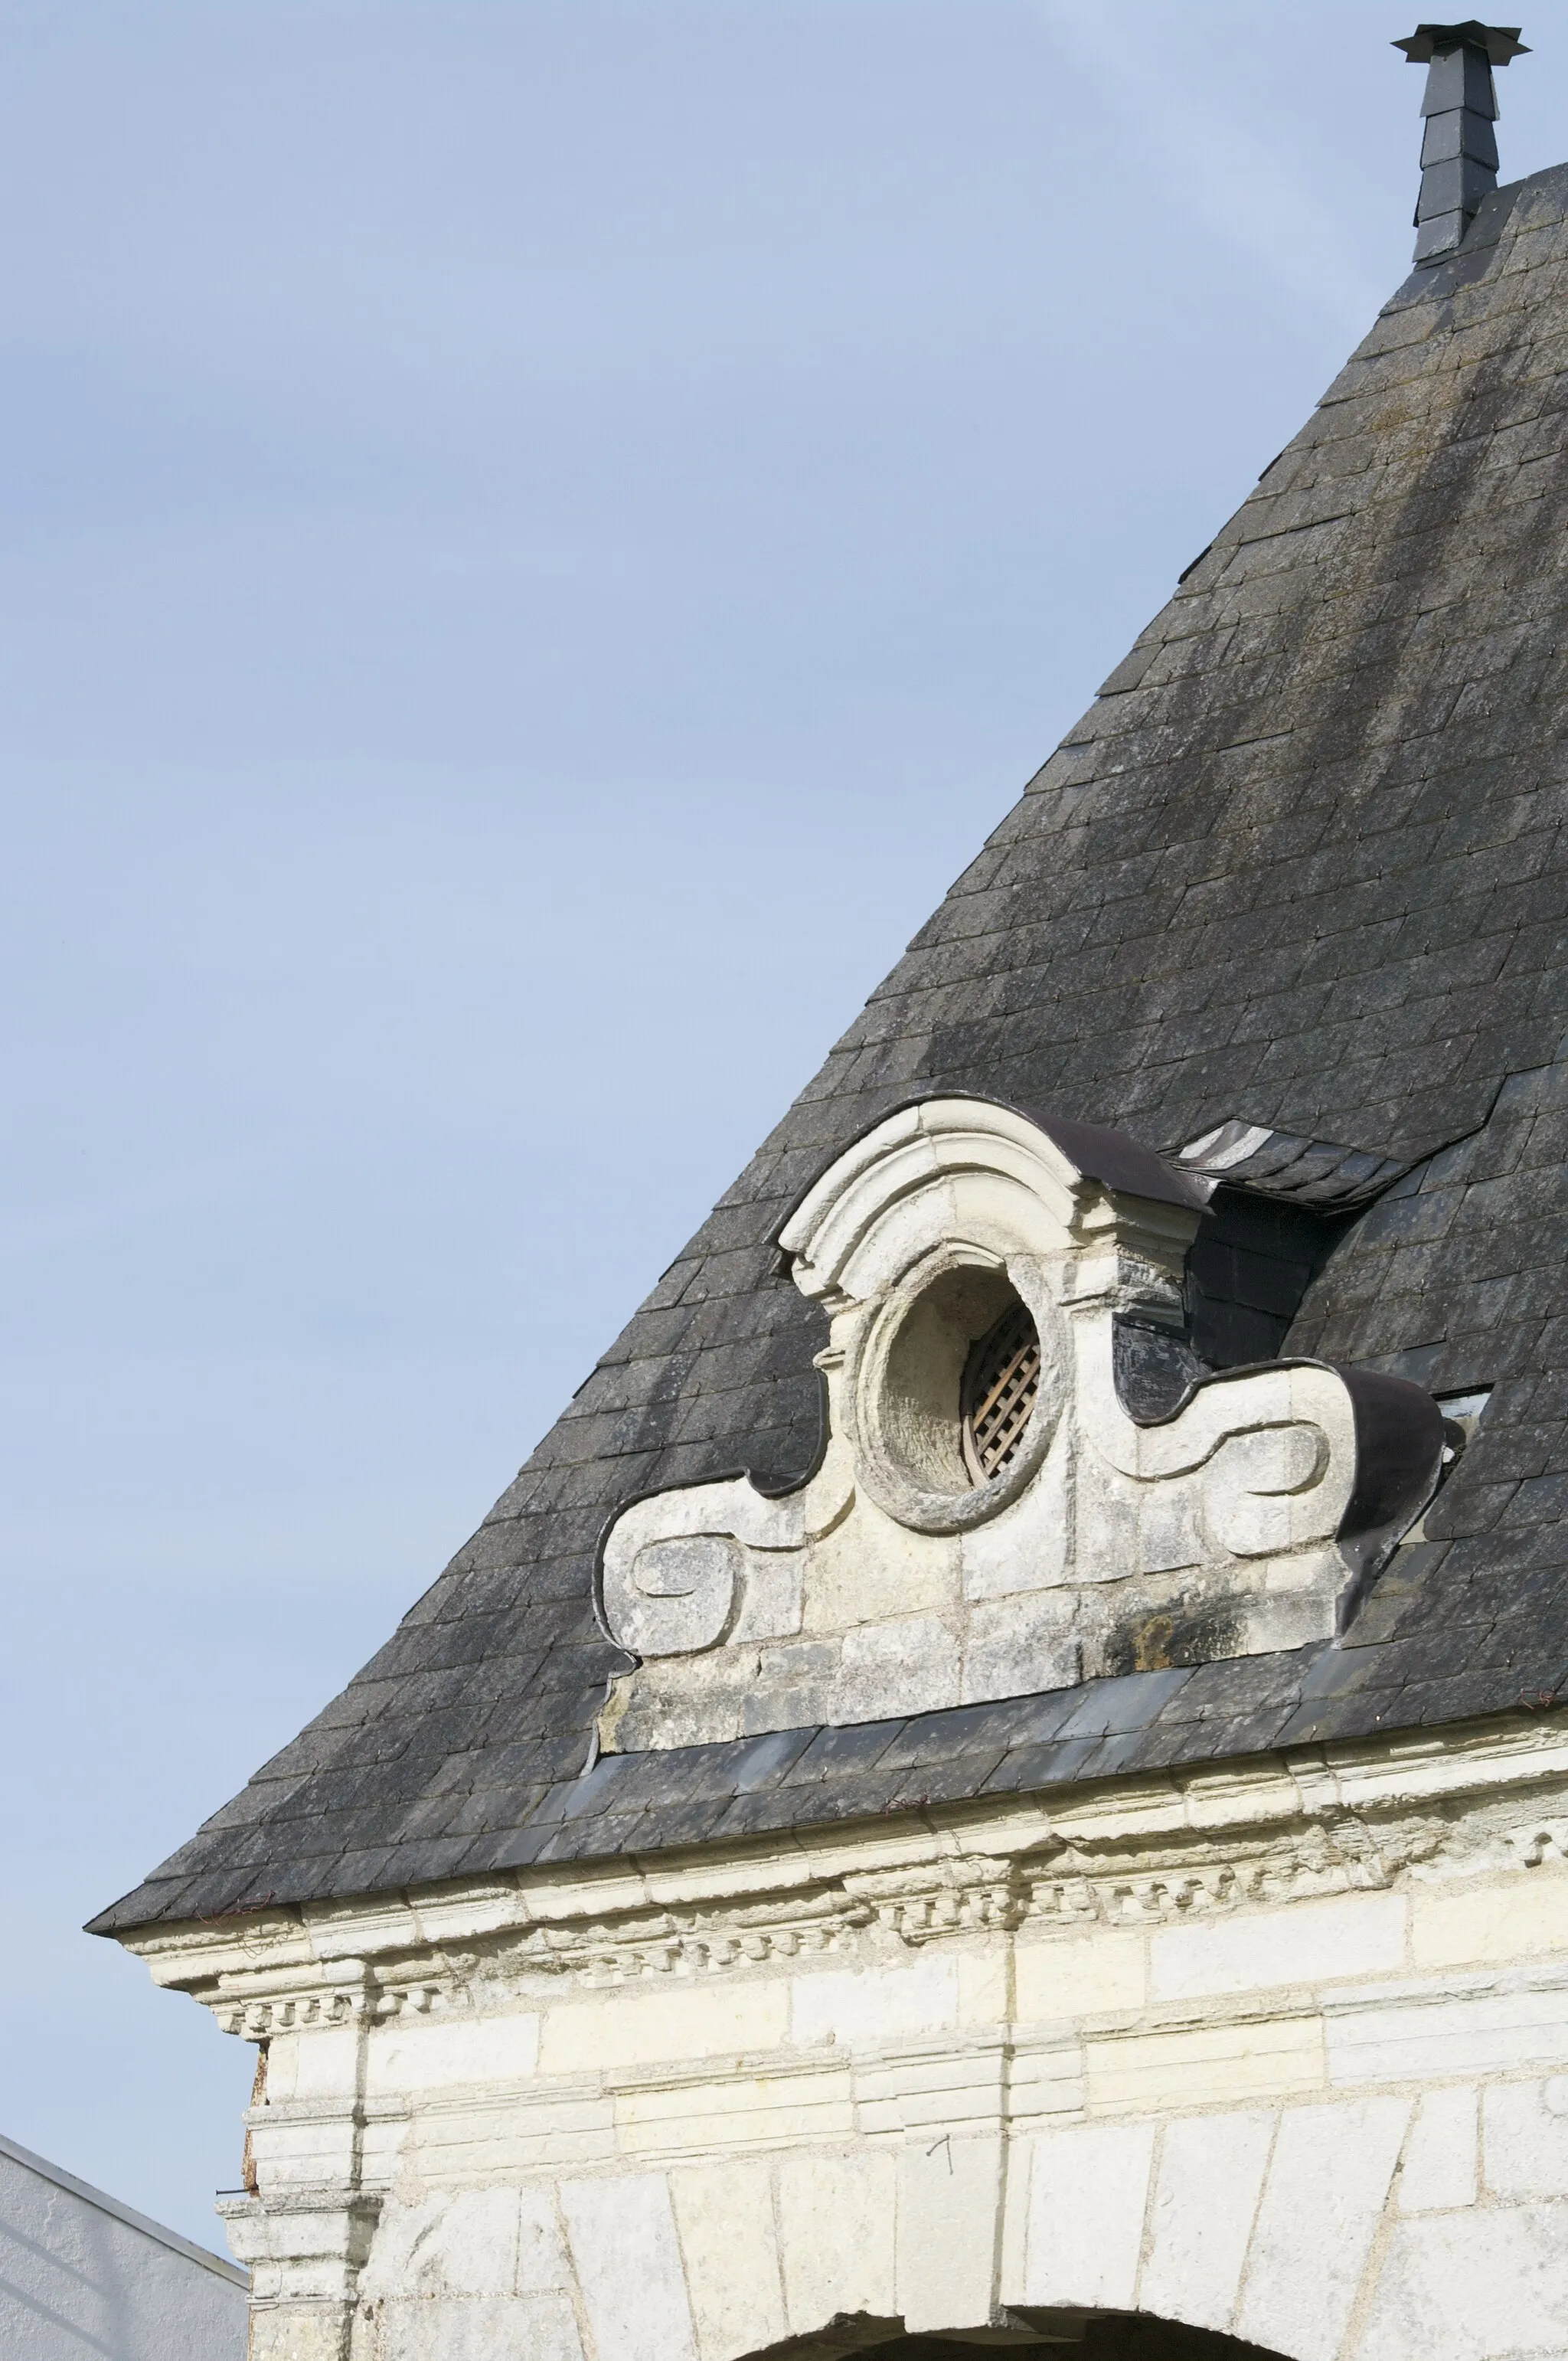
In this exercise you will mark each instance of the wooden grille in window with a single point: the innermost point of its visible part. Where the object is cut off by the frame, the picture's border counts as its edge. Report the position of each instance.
(1002, 1379)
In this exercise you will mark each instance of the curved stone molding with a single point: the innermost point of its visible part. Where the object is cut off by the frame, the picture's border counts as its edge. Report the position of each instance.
(902, 1379)
(891, 1582)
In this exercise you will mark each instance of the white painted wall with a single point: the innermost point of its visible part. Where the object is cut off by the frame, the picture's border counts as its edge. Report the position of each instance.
(84, 2278)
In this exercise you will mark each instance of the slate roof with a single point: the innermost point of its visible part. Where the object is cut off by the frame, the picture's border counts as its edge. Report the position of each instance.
(1300, 866)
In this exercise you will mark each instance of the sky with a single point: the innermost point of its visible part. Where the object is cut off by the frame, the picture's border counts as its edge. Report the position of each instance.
(539, 536)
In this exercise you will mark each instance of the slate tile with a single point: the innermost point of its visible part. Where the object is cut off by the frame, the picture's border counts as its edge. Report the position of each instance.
(832, 1754)
(1128, 1704)
(1051, 1763)
(760, 1762)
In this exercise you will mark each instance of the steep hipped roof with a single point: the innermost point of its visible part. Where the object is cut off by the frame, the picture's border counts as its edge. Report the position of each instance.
(1300, 866)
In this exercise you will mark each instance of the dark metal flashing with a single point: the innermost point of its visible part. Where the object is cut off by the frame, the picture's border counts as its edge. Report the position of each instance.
(1317, 1172)
(1500, 43)
(1136, 1723)
(1099, 1151)
(1477, 256)
(1458, 146)
(1308, 856)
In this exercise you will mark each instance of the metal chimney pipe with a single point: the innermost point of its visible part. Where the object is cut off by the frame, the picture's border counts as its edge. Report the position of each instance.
(1459, 149)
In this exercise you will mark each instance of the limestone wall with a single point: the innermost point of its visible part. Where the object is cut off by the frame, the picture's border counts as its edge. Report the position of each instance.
(1282, 2052)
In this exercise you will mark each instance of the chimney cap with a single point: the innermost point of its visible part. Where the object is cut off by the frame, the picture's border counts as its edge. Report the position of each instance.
(1500, 43)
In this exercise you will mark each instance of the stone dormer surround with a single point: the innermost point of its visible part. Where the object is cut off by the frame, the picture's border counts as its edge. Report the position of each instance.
(1239, 1524)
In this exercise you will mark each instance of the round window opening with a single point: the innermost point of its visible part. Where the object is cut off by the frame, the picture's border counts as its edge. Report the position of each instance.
(947, 1393)
(1001, 1386)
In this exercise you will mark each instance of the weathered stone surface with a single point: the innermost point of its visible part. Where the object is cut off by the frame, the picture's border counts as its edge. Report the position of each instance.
(1524, 2129)
(1085, 1973)
(1079, 2053)
(837, 2238)
(1200, 2221)
(1088, 2192)
(1321, 2204)
(628, 2259)
(1466, 2288)
(1357, 1934)
(461, 2244)
(1464, 2025)
(1439, 2171)
(416, 2055)
(725, 2217)
(893, 1582)
(543, 2327)
(948, 2214)
(859, 2005)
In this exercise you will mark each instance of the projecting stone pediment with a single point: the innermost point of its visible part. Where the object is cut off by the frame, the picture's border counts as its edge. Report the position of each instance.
(988, 1519)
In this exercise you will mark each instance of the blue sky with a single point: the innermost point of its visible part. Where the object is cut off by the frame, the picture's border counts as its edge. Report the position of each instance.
(540, 535)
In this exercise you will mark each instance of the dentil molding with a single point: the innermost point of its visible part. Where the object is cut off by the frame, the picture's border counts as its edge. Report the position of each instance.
(1490, 1798)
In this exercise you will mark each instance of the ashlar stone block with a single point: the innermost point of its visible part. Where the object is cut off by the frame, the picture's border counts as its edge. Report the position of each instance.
(1205, 2065)
(321, 2064)
(1309, 1942)
(934, 2089)
(948, 2193)
(1026, 1547)
(1206, 2196)
(837, 2234)
(876, 2004)
(681, 2114)
(630, 2029)
(295, 2334)
(1073, 1975)
(411, 2056)
(541, 2263)
(1468, 2287)
(1524, 2138)
(1431, 2031)
(1013, 1644)
(624, 2244)
(983, 1986)
(1439, 2171)
(301, 2152)
(460, 2242)
(1088, 2187)
(542, 2327)
(725, 2217)
(1492, 1919)
(1325, 2190)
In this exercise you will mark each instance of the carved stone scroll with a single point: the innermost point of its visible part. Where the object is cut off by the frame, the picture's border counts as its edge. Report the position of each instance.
(893, 1582)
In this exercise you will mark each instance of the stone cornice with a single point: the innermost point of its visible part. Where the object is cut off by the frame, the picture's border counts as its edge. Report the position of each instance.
(1143, 1852)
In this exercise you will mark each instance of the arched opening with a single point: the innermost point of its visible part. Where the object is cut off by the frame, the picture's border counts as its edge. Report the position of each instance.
(1033, 2335)
(1139, 2338)
(1107, 2336)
